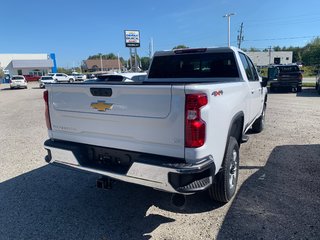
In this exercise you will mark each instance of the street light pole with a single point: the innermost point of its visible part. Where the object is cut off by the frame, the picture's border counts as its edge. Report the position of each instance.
(228, 16)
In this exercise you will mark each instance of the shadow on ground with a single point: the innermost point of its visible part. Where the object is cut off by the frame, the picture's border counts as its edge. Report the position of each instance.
(308, 92)
(281, 200)
(57, 203)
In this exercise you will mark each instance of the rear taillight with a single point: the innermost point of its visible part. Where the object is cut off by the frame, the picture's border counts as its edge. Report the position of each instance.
(195, 127)
(46, 100)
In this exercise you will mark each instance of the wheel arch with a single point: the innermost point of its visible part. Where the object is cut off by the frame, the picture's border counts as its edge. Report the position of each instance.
(236, 127)
(235, 130)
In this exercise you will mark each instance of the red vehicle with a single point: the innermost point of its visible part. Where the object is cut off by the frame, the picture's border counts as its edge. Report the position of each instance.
(32, 77)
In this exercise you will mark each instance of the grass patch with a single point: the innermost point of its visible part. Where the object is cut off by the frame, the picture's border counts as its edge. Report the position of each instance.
(307, 84)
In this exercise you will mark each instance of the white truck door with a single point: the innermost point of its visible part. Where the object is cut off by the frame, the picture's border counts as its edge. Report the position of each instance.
(254, 86)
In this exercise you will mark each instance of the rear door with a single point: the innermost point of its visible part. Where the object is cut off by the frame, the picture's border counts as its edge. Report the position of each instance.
(255, 88)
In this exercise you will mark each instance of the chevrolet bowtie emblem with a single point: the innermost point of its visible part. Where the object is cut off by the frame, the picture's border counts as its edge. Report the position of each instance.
(102, 106)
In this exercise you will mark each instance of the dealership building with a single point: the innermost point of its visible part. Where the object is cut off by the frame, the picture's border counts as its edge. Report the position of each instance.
(261, 59)
(28, 64)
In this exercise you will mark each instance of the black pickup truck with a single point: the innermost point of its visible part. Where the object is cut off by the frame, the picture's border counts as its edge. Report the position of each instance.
(285, 76)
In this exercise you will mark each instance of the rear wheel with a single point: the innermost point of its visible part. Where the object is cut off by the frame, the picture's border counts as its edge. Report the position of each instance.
(272, 88)
(225, 182)
(299, 89)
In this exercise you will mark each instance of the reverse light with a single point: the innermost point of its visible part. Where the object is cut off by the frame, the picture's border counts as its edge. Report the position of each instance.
(47, 115)
(195, 127)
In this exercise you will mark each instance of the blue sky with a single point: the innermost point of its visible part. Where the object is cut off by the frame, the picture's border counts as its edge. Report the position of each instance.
(75, 29)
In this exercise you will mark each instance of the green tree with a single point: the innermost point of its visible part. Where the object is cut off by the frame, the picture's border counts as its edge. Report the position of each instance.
(1, 73)
(104, 56)
(311, 53)
(145, 62)
(277, 48)
(253, 49)
(64, 70)
(180, 47)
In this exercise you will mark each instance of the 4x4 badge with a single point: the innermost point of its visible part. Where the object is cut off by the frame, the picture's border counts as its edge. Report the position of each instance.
(102, 106)
(217, 93)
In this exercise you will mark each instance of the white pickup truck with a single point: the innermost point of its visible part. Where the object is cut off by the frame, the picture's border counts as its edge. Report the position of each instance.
(179, 130)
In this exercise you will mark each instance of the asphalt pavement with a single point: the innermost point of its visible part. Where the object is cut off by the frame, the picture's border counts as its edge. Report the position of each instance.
(278, 195)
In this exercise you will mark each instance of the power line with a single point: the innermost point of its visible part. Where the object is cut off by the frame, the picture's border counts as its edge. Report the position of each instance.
(284, 38)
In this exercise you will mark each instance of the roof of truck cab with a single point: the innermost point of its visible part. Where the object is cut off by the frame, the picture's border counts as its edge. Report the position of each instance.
(196, 50)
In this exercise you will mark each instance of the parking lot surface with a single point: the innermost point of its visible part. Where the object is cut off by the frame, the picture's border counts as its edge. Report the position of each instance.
(278, 194)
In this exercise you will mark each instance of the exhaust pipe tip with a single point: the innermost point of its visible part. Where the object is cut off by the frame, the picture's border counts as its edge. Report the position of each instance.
(178, 200)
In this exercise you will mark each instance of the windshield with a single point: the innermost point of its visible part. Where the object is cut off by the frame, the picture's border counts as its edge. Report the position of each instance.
(111, 78)
(288, 69)
(47, 78)
(17, 78)
(197, 65)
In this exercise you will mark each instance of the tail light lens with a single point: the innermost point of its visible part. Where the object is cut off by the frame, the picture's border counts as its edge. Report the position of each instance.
(46, 100)
(195, 127)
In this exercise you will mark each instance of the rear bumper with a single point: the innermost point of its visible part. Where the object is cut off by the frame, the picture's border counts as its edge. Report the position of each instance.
(159, 172)
(286, 84)
(18, 85)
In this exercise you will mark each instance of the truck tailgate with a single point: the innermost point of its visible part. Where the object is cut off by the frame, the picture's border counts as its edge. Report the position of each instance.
(142, 118)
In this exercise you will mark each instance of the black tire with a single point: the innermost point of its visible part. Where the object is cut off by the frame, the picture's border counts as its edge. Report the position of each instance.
(71, 80)
(258, 124)
(318, 90)
(299, 89)
(225, 182)
(272, 88)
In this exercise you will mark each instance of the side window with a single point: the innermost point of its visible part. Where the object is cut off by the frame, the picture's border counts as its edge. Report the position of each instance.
(254, 71)
(247, 67)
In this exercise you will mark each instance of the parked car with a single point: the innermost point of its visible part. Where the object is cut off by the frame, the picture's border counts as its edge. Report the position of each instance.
(18, 81)
(44, 80)
(79, 77)
(285, 76)
(61, 77)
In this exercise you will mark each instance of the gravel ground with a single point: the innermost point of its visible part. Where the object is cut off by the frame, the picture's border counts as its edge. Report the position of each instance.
(278, 195)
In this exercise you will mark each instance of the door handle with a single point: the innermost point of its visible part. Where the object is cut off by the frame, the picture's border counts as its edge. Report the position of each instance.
(252, 91)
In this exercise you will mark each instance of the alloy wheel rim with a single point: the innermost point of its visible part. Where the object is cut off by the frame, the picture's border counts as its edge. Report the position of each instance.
(233, 171)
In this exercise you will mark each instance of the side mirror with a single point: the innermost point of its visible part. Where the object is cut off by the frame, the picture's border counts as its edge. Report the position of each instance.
(264, 82)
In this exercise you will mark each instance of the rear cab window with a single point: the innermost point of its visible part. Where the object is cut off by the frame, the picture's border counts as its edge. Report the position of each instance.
(284, 69)
(180, 64)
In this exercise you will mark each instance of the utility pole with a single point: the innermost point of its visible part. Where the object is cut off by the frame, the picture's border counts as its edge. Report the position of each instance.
(228, 15)
(269, 55)
(119, 63)
(240, 36)
(101, 62)
(151, 48)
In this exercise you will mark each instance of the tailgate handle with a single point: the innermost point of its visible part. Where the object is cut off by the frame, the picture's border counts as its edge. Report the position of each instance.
(101, 92)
